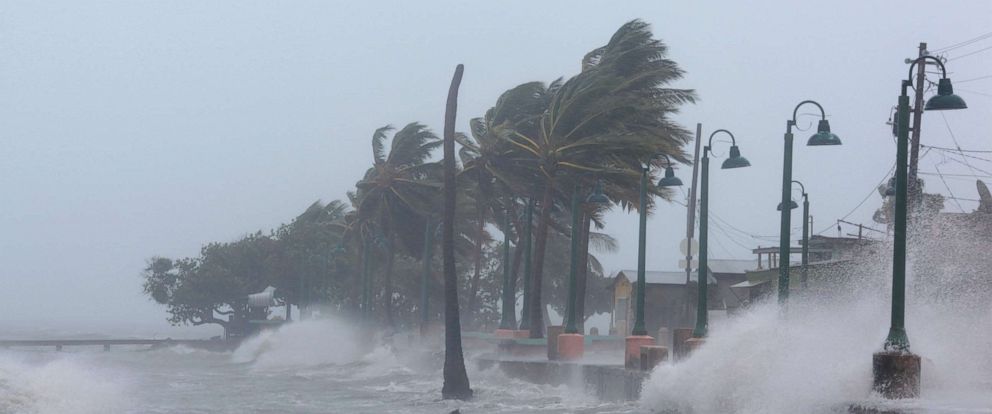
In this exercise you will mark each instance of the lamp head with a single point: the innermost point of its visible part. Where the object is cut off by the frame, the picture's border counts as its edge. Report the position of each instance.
(597, 196)
(735, 160)
(945, 98)
(823, 136)
(792, 205)
(669, 180)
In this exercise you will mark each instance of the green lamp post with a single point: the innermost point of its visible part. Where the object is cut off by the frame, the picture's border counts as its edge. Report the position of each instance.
(508, 319)
(805, 253)
(823, 136)
(597, 197)
(669, 180)
(702, 279)
(528, 220)
(895, 370)
(945, 99)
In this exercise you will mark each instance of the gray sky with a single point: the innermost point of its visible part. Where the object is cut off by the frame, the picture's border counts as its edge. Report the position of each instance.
(132, 129)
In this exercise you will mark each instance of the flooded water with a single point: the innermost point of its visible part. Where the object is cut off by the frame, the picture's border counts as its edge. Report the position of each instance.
(309, 367)
(813, 358)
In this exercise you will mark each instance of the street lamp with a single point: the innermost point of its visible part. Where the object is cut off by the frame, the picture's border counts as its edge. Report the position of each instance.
(570, 344)
(597, 197)
(639, 334)
(896, 370)
(528, 226)
(669, 180)
(823, 136)
(508, 318)
(805, 254)
(702, 279)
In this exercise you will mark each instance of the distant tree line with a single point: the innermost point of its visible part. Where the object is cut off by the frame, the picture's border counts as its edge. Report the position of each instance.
(540, 143)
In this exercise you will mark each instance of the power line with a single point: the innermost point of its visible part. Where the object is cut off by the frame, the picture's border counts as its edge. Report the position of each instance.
(870, 192)
(974, 92)
(954, 149)
(969, 166)
(965, 199)
(964, 43)
(973, 79)
(956, 175)
(955, 139)
(948, 188)
(971, 53)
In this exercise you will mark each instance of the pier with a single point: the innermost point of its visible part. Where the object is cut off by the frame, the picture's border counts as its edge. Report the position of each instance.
(58, 344)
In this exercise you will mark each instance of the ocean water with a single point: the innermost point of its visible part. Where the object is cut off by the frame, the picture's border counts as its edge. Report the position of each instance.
(812, 357)
(310, 367)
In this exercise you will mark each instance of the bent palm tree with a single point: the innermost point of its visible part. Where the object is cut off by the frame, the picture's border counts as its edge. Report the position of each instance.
(601, 124)
(394, 195)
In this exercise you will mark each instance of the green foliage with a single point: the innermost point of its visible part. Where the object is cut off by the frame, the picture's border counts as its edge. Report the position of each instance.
(539, 141)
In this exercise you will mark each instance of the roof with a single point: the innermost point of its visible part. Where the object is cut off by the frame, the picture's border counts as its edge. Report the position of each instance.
(664, 277)
(750, 283)
(732, 266)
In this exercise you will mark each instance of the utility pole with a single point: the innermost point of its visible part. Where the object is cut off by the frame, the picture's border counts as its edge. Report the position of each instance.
(690, 225)
(916, 193)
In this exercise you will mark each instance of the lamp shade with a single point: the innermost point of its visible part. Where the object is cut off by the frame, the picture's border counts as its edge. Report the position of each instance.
(735, 160)
(945, 98)
(792, 205)
(669, 180)
(597, 196)
(823, 136)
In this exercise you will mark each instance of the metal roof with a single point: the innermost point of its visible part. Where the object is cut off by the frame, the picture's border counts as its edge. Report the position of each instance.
(659, 277)
(732, 266)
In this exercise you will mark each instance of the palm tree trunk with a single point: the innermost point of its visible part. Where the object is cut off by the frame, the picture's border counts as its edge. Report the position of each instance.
(473, 291)
(388, 297)
(456, 385)
(583, 275)
(540, 242)
(518, 251)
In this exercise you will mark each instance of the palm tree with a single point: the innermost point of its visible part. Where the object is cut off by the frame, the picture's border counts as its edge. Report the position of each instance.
(601, 125)
(456, 383)
(395, 194)
(311, 240)
(488, 175)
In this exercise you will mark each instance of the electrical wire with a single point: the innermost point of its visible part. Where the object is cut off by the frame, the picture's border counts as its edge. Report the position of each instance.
(970, 53)
(964, 43)
(972, 79)
(955, 139)
(948, 188)
(954, 149)
(873, 190)
(958, 176)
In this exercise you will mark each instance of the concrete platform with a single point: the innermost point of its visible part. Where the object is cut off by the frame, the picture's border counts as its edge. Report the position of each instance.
(606, 382)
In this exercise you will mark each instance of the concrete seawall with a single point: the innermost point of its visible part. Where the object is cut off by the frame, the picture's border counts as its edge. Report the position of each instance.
(606, 382)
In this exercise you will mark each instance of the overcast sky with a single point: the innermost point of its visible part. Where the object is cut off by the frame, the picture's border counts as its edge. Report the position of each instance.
(132, 129)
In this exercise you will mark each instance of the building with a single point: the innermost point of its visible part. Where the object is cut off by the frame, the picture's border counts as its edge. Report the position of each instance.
(670, 299)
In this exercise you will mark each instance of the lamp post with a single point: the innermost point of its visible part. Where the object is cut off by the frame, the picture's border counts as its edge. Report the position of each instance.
(896, 370)
(823, 136)
(702, 279)
(528, 220)
(508, 318)
(639, 334)
(570, 344)
(805, 254)
(669, 180)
